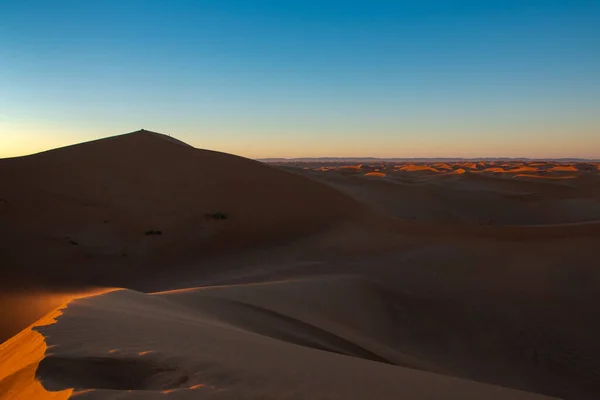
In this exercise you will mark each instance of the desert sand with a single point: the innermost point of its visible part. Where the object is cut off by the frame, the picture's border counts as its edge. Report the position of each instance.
(140, 267)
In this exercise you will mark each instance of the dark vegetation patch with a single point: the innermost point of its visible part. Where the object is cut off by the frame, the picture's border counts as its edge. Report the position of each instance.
(216, 216)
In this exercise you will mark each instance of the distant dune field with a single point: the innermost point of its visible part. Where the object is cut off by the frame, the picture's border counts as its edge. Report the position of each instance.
(483, 194)
(157, 270)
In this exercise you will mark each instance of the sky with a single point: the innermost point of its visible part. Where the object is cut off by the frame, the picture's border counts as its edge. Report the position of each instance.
(274, 78)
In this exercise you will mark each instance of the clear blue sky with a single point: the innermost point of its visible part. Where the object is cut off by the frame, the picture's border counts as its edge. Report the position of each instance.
(306, 78)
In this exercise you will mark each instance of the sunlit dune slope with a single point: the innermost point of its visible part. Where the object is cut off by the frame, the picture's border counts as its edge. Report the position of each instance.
(563, 168)
(416, 168)
(534, 176)
(20, 308)
(138, 199)
(494, 169)
(20, 356)
(375, 174)
(252, 342)
(469, 165)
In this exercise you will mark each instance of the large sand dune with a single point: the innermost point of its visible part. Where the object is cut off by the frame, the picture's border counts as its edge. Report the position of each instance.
(446, 281)
(100, 202)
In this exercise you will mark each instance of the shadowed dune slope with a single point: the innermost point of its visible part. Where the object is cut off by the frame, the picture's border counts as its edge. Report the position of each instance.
(142, 198)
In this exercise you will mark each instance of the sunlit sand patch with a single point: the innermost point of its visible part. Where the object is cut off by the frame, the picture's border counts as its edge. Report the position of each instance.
(441, 166)
(201, 385)
(375, 174)
(198, 288)
(416, 168)
(80, 392)
(495, 169)
(563, 168)
(522, 169)
(194, 387)
(468, 165)
(517, 170)
(544, 177)
(357, 167)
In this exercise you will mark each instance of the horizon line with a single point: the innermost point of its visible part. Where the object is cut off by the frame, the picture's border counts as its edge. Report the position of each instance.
(371, 158)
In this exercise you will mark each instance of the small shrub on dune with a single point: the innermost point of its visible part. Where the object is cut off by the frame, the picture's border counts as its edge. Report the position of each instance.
(220, 215)
(215, 216)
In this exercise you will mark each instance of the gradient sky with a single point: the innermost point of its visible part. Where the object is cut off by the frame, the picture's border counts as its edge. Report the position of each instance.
(420, 78)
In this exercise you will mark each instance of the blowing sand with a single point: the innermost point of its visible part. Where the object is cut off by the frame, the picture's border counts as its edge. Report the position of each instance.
(245, 280)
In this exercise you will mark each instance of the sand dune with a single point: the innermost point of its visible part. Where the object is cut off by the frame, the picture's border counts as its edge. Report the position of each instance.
(416, 168)
(495, 169)
(97, 202)
(352, 167)
(468, 165)
(260, 341)
(563, 168)
(440, 166)
(244, 280)
(376, 174)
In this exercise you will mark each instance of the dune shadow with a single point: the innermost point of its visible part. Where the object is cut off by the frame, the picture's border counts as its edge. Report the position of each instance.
(60, 373)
